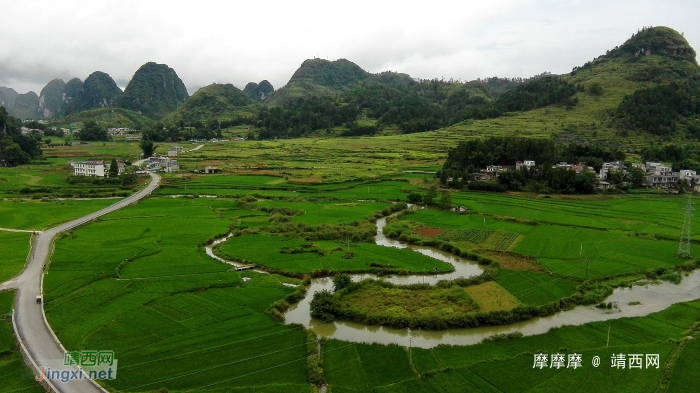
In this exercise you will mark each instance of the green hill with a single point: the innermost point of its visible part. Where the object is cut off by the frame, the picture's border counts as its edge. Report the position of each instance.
(258, 91)
(7, 96)
(51, 98)
(323, 78)
(26, 106)
(618, 92)
(155, 90)
(216, 101)
(98, 91)
(71, 90)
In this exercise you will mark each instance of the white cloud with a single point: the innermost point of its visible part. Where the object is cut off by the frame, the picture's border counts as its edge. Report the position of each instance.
(242, 41)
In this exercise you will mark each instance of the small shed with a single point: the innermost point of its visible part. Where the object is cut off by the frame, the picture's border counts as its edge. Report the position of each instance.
(211, 169)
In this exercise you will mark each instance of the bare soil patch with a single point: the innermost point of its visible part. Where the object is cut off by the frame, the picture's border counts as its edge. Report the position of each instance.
(429, 232)
(511, 260)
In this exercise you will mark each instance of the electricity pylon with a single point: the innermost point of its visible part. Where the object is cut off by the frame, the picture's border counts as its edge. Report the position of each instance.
(684, 245)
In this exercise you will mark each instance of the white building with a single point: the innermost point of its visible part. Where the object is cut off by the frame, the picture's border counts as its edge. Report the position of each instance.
(524, 164)
(165, 164)
(178, 149)
(132, 139)
(688, 175)
(93, 168)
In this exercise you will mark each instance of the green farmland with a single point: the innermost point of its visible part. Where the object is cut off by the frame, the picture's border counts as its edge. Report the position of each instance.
(138, 281)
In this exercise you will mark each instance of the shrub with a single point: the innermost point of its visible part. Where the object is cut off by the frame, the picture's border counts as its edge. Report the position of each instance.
(324, 305)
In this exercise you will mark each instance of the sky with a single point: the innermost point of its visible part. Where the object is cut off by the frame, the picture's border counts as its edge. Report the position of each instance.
(237, 42)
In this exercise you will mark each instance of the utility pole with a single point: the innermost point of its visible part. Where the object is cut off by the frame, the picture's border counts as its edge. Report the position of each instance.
(410, 344)
(581, 252)
(608, 343)
(684, 244)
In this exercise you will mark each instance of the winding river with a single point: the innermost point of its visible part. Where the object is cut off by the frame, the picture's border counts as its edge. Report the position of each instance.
(651, 298)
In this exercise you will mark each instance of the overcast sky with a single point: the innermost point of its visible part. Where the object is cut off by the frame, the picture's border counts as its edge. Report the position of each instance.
(242, 41)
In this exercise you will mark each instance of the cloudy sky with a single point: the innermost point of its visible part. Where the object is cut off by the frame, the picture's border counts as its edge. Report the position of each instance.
(236, 42)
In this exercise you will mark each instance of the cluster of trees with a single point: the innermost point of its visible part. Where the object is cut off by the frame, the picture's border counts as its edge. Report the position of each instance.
(15, 148)
(415, 106)
(545, 179)
(300, 117)
(685, 156)
(662, 109)
(471, 156)
(91, 131)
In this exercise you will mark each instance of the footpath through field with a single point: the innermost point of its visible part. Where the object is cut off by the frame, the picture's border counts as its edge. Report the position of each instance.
(30, 322)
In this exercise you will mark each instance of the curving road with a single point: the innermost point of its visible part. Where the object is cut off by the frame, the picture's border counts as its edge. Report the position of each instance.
(31, 326)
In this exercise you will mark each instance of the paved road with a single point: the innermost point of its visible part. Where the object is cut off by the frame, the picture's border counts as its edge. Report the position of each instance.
(196, 148)
(39, 340)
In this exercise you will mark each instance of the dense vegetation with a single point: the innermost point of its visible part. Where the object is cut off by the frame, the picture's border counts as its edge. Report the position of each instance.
(214, 102)
(98, 91)
(258, 91)
(92, 131)
(15, 148)
(155, 90)
(471, 156)
(663, 109)
(412, 106)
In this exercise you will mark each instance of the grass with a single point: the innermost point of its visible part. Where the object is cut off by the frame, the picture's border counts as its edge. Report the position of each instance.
(34, 214)
(397, 302)
(535, 288)
(490, 296)
(508, 365)
(267, 251)
(14, 247)
(687, 369)
(172, 306)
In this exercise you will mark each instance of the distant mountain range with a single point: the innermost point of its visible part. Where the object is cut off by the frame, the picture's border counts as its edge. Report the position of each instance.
(155, 90)
(650, 83)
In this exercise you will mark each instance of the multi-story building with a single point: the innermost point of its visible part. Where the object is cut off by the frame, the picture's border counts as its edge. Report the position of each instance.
(93, 168)
(165, 164)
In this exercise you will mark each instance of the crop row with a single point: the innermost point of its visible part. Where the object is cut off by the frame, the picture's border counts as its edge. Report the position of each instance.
(506, 240)
(471, 235)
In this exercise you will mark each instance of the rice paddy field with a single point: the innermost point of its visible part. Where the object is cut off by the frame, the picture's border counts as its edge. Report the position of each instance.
(14, 247)
(138, 281)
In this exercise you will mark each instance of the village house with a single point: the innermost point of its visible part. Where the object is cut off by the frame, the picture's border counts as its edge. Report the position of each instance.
(165, 164)
(92, 168)
(660, 175)
(132, 139)
(211, 170)
(524, 165)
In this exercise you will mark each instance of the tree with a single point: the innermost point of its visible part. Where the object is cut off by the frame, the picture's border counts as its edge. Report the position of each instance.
(92, 131)
(341, 281)
(585, 182)
(113, 168)
(414, 198)
(430, 195)
(128, 178)
(595, 89)
(323, 305)
(636, 176)
(445, 201)
(147, 148)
